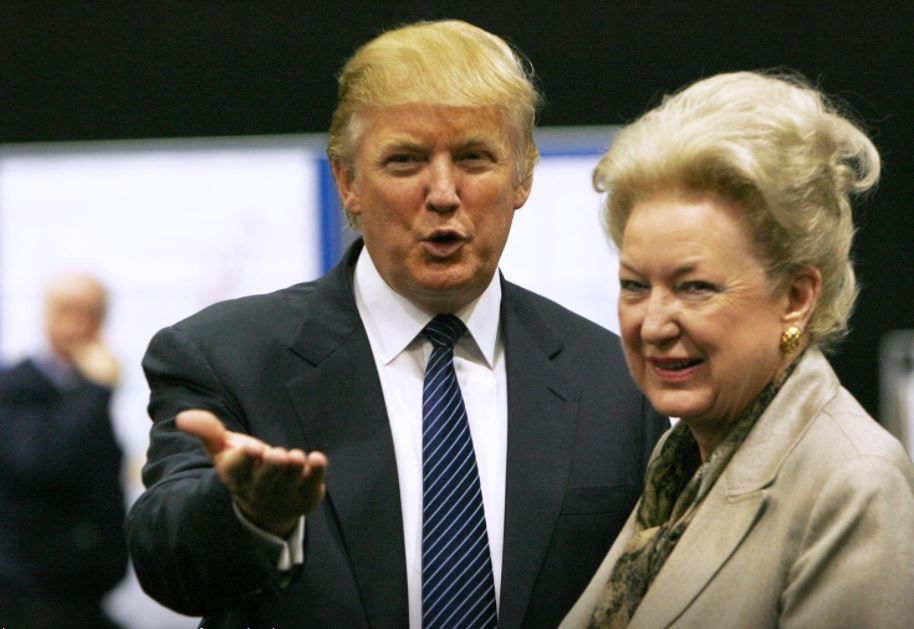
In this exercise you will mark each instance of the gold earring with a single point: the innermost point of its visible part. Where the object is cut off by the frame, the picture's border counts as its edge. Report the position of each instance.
(790, 339)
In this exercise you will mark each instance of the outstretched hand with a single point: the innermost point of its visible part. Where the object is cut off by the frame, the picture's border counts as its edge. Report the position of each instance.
(272, 486)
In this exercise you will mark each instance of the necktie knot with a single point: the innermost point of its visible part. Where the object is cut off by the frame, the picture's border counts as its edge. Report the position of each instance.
(444, 330)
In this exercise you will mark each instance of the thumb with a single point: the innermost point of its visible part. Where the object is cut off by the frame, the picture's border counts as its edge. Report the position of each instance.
(205, 426)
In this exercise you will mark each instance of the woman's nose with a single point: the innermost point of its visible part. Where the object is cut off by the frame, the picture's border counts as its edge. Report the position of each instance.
(659, 322)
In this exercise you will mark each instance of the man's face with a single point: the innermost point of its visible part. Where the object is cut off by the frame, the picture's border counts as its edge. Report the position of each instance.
(435, 190)
(74, 311)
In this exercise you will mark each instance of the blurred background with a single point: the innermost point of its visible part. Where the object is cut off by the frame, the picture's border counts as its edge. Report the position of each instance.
(175, 149)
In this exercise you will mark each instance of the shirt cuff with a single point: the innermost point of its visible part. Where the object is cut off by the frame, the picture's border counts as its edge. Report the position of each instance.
(291, 550)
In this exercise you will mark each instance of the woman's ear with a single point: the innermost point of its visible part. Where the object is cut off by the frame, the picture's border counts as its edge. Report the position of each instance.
(803, 288)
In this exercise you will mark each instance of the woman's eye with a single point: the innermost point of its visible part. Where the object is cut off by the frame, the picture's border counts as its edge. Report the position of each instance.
(631, 285)
(697, 287)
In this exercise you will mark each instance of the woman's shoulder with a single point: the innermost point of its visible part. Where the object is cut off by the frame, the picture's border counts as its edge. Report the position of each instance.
(826, 424)
(850, 432)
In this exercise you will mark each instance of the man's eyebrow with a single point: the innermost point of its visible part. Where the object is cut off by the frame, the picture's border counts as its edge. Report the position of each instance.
(489, 142)
(408, 143)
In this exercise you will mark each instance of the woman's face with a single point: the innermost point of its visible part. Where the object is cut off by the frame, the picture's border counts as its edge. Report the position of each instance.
(700, 323)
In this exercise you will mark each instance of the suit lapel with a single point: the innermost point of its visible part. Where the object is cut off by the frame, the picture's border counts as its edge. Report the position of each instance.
(541, 427)
(339, 400)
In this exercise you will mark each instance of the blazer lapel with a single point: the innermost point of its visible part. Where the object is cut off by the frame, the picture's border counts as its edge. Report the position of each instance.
(718, 529)
(339, 400)
(541, 428)
(739, 499)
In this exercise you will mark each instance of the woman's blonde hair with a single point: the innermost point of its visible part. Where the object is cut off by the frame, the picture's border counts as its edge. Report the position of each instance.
(444, 63)
(776, 147)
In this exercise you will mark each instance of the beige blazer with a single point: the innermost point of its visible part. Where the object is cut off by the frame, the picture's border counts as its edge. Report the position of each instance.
(810, 525)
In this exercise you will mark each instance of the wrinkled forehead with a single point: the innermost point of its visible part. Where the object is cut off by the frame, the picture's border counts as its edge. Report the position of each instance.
(424, 123)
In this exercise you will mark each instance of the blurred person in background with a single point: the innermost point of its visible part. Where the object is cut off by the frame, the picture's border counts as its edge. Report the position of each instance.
(62, 545)
(776, 501)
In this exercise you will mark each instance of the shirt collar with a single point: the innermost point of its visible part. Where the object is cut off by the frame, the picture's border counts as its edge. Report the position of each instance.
(58, 371)
(403, 321)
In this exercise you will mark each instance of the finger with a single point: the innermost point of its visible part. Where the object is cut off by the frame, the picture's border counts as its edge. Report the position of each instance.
(282, 469)
(297, 459)
(314, 474)
(278, 470)
(281, 489)
(316, 466)
(297, 465)
(276, 458)
(252, 446)
(236, 469)
(206, 427)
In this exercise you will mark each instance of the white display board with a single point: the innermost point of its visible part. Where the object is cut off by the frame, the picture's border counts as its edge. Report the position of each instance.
(557, 245)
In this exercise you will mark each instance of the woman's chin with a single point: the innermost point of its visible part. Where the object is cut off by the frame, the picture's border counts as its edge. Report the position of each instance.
(680, 405)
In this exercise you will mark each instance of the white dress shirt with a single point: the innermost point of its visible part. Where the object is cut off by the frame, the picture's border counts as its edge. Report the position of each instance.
(394, 327)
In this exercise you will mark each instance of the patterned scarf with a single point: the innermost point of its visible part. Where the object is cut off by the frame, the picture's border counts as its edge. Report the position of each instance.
(674, 488)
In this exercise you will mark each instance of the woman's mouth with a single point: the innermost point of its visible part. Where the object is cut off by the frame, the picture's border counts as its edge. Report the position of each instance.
(674, 363)
(674, 368)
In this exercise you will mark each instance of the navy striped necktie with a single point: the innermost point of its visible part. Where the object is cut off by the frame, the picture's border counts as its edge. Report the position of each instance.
(458, 589)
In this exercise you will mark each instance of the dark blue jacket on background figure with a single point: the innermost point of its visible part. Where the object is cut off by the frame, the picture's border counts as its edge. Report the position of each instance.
(62, 543)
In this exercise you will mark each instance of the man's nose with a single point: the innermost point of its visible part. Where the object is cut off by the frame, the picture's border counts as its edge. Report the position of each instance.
(443, 195)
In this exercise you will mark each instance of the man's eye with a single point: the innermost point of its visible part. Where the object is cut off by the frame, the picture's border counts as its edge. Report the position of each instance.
(402, 163)
(475, 157)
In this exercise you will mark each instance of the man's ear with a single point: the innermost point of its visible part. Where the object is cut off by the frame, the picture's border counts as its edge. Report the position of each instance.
(803, 288)
(345, 184)
(522, 192)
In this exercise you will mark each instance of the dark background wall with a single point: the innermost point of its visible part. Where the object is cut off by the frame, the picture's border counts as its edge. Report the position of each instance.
(83, 70)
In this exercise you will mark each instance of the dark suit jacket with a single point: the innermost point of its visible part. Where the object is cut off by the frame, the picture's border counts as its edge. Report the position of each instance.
(295, 369)
(61, 504)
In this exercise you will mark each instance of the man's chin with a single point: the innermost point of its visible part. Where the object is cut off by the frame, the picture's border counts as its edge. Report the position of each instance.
(446, 294)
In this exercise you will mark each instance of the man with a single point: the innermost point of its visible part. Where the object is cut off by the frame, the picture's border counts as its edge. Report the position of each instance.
(432, 150)
(61, 541)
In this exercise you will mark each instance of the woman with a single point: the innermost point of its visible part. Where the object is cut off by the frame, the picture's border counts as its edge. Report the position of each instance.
(776, 501)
